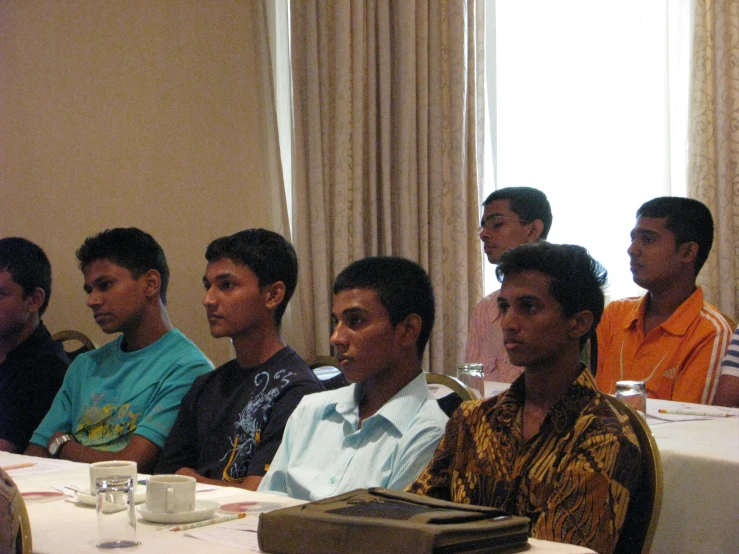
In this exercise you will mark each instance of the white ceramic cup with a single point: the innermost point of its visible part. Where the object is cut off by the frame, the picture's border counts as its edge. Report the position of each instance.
(124, 468)
(170, 493)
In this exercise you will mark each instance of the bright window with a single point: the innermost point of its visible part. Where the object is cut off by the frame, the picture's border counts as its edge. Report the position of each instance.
(588, 102)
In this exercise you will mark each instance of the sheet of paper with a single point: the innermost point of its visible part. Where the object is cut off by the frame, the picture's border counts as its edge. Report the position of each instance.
(240, 533)
(27, 469)
(691, 412)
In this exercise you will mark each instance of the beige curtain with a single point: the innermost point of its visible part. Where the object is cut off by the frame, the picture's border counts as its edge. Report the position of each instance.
(387, 152)
(713, 172)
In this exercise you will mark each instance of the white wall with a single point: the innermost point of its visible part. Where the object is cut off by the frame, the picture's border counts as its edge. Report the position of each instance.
(137, 113)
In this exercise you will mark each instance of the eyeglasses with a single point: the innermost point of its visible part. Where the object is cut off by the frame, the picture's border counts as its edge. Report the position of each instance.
(496, 221)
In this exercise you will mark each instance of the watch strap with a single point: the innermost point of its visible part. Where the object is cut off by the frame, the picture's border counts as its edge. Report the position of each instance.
(56, 445)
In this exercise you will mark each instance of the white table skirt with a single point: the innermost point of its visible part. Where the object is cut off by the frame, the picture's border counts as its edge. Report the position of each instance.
(700, 460)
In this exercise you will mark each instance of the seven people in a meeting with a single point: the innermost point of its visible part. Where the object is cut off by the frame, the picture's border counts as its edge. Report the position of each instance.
(551, 447)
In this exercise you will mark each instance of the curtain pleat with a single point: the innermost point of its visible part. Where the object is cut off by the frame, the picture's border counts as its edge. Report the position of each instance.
(388, 152)
(713, 154)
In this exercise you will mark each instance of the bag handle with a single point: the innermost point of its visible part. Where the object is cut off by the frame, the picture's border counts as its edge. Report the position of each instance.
(435, 502)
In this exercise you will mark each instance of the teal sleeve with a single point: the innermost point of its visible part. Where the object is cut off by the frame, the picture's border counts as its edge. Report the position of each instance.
(58, 416)
(160, 414)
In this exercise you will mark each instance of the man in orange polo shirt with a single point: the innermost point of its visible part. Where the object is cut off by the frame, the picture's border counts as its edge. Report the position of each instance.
(670, 338)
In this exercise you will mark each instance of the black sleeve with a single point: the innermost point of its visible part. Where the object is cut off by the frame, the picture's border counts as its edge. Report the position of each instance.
(181, 447)
(27, 397)
(271, 436)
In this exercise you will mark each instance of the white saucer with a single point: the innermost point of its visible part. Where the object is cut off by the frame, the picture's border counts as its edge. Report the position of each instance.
(91, 499)
(204, 509)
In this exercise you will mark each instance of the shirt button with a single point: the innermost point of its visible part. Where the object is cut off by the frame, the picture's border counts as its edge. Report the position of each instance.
(332, 480)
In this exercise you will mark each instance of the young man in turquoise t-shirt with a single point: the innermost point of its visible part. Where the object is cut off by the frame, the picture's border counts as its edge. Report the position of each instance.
(120, 401)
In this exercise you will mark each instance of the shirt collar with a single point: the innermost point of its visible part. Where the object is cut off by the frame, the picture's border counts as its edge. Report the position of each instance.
(399, 411)
(562, 415)
(678, 323)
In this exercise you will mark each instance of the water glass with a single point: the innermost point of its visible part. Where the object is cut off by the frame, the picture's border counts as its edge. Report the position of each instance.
(633, 393)
(472, 375)
(116, 510)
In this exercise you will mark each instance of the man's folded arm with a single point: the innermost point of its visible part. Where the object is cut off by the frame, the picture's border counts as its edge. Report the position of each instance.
(591, 494)
(140, 450)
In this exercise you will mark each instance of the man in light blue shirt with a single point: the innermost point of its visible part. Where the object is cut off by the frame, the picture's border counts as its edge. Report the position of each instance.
(382, 429)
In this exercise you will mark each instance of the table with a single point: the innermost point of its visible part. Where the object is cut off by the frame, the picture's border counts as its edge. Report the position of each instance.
(60, 526)
(700, 461)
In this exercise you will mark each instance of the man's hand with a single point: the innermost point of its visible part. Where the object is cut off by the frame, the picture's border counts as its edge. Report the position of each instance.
(250, 483)
(36, 450)
(139, 450)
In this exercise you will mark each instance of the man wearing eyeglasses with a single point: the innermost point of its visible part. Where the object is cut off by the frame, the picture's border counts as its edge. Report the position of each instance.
(511, 216)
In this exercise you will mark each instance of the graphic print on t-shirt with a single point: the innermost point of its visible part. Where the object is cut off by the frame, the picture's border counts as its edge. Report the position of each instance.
(107, 427)
(252, 418)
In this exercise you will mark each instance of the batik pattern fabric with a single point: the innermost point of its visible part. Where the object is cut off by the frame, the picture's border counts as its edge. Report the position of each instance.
(573, 478)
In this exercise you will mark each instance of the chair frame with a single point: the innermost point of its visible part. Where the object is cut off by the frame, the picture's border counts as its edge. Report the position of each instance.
(730, 320)
(639, 526)
(71, 334)
(321, 361)
(464, 392)
(24, 533)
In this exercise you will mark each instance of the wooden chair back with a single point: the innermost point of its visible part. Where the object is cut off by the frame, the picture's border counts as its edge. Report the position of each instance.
(71, 340)
(645, 504)
(460, 391)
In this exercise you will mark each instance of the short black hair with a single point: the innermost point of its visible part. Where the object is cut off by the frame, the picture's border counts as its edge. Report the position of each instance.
(266, 253)
(28, 265)
(527, 203)
(128, 247)
(689, 220)
(577, 278)
(402, 286)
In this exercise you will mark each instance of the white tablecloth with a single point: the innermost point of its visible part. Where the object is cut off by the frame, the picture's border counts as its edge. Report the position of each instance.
(700, 459)
(60, 526)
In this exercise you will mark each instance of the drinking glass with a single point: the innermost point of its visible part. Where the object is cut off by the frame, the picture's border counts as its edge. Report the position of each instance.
(633, 393)
(472, 376)
(116, 510)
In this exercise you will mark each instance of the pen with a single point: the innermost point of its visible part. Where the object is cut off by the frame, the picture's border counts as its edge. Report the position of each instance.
(692, 413)
(208, 522)
(18, 466)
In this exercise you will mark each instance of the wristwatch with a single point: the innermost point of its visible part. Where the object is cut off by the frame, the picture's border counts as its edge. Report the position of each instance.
(56, 445)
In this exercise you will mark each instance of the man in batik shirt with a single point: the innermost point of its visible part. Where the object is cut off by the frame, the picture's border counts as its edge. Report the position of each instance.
(551, 447)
